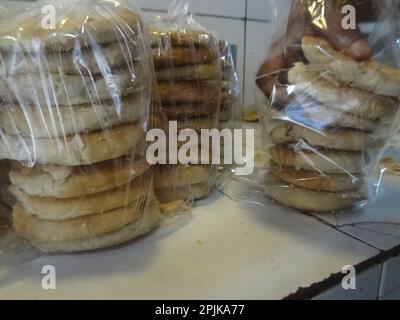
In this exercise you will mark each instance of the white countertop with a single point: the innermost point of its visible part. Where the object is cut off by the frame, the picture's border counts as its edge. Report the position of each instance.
(225, 250)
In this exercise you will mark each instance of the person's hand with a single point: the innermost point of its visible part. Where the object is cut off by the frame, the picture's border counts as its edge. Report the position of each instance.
(323, 20)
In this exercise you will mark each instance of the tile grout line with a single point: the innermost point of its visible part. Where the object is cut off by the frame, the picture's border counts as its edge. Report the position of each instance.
(343, 232)
(380, 289)
(244, 54)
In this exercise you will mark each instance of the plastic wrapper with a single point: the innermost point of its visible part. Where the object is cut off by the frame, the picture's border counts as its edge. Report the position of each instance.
(195, 86)
(75, 86)
(329, 115)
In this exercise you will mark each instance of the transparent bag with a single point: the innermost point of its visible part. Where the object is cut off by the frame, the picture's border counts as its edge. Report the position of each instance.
(195, 86)
(332, 106)
(75, 86)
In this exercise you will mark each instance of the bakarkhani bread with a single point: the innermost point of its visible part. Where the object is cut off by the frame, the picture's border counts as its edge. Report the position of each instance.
(63, 121)
(55, 89)
(329, 117)
(316, 181)
(200, 72)
(323, 161)
(148, 221)
(76, 150)
(333, 95)
(183, 56)
(39, 230)
(86, 60)
(369, 75)
(309, 200)
(331, 138)
(68, 182)
(90, 24)
(69, 208)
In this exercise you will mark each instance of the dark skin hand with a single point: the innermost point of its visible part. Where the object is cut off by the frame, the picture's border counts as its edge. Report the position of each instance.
(286, 51)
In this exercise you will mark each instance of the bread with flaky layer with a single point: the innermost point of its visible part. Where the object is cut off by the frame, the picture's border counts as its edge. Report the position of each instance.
(83, 149)
(68, 182)
(370, 75)
(62, 121)
(148, 221)
(332, 94)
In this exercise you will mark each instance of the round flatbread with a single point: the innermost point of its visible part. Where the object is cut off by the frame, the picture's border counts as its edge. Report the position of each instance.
(148, 221)
(323, 161)
(70, 208)
(69, 182)
(316, 181)
(86, 60)
(100, 23)
(76, 150)
(38, 230)
(370, 75)
(44, 90)
(331, 138)
(164, 57)
(201, 72)
(62, 121)
(339, 97)
(184, 92)
(311, 201)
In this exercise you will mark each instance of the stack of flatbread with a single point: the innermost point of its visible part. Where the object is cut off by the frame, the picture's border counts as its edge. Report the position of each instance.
(71, 124)
(327, 138)
(188, 90)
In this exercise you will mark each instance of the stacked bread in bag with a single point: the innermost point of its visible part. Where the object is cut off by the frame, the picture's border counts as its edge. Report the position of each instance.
(75, 98)
(187, 90)
(328, 138)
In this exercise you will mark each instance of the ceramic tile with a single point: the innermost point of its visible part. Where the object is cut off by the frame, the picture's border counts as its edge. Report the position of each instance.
(390, 276)
(259, 9)
(378, 223)
(226, 251)
(227, 8)
(258, 39)
(395, 295)
(367, 285)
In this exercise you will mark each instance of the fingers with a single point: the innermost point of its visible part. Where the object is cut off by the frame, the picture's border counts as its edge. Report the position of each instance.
(267, 74)
(349, 41)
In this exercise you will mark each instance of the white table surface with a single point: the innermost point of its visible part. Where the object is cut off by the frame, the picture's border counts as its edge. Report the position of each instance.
(225, 250)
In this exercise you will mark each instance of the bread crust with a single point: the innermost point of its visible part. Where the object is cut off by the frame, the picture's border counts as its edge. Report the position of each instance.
(54, 209)
(149, 221)
(369, 75)
(69, 182)
(331, 138)
(323, 161)
(183, 56)
(38, 230)
(316, 181)
(102, 28)
(77, 150)
(312, 201)
(65, 121)
(333, 95)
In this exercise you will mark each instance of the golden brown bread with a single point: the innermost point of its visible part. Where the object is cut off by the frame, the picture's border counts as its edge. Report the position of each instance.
(323, 161)
(183, 56)
(76, 150)
(68, 182)
(103, 26)
(316, 181)
(38, 230)
(184, 92)
(370, 75)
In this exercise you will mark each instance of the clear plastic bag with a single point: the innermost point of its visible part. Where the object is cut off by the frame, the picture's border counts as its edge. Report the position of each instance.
(75, 86)
(332, 109)
(196, 86)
